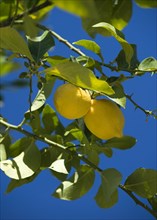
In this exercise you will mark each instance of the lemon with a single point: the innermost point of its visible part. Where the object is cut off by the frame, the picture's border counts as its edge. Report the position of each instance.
(104, 119)
(71, 101)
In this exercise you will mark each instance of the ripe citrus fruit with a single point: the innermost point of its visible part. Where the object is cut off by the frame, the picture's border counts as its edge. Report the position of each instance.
(104, 119)
(71, 101)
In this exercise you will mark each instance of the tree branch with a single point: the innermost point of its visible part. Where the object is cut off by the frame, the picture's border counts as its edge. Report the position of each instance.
(79, 52)
(137, 201)
(81, 157)
(147, 112)
(32, 10)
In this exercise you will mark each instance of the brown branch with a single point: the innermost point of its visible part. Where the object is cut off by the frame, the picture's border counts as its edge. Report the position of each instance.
(137, 201)
(147, 112)
(29, 11)
(79, 52)
(63, 40)
(81, 157)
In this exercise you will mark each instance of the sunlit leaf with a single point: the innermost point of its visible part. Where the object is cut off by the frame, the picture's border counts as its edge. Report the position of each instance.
(86, 61)
(146, 3)
(104, 28)
(59, 166)
(121, 143)
(54, 60)
(3, 154)
(73, 130)
(81, 8)
(117, 13)
(11, 40)
(77, 185)
(90, 45)
(148, 64)
(121, 14)
(30, 27)
(41, 97)
(143, 182)
(22, 166)
(4, 11)
(80, 76)
(40, 45)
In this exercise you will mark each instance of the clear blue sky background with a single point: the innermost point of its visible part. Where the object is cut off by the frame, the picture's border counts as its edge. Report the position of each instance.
(34, 200)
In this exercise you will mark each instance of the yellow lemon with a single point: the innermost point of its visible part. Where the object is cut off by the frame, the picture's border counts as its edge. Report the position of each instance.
(71, 101)
(104, 119)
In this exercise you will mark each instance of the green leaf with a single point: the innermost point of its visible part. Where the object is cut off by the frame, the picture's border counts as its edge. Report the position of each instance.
(101, 148)
(76, 133)
(54, 60)
(143, 182)
(11, 40)
(30, 27)
(40, 45)
(17, 183)
(119, 96)
(51, 121)
(19, 146)
(90, 45)
(35, 123)
(117, 13)
(3, 154)
(23, 165)
(153, 202)
(7, 66)
(93, 156)
(146, 3)
(111, 178)
(101, 202)
(148, 64)
(77, 185)
(121, 14)
(104, 28)
(51, 154)
(59, 166)
(41, 97)
(86, 61)
(80, 76)
(81, 8)
(121, 143)
(121, 59)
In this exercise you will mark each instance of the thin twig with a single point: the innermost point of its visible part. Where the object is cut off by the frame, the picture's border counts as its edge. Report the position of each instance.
(147, 112)
(81, 157)
(79, 52)
(61, 39)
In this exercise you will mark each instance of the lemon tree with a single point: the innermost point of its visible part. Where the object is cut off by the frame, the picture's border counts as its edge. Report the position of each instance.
(79, 86)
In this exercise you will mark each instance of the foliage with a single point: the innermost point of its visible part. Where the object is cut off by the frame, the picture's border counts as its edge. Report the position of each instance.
(72, 153)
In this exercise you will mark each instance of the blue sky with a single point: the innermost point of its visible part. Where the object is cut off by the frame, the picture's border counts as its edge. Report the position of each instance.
(34, 200)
